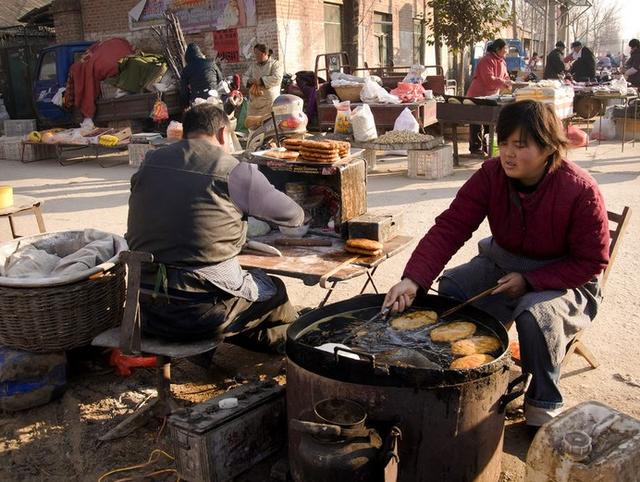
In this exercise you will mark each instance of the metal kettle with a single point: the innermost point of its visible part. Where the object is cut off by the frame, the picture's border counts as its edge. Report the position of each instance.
(339, 446)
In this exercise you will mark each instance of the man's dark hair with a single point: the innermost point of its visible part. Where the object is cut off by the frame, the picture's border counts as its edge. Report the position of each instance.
(535, 54)
(634, 43)
(496, 45)
(560, 44)
(576, 44)
(203, 119)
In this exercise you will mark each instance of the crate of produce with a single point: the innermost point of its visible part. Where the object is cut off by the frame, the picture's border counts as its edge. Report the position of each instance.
(19, 127)
(137, 153)
(432, 164)
(32, 152)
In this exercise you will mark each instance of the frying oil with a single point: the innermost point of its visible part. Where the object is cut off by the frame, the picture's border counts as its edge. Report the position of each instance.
(413, 348)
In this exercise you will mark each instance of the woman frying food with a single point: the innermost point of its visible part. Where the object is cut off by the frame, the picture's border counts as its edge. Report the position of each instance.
(549, 243)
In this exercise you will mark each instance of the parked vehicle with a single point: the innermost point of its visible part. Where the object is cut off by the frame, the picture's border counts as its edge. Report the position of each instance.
(515, 57)
(52, 71)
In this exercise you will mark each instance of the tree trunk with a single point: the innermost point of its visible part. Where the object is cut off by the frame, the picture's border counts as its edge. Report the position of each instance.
(461, 72)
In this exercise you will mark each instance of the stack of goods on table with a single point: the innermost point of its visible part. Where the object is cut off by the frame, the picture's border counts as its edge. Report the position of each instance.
(366, 247)
(322, 152)
(552, 92)
(103, 136)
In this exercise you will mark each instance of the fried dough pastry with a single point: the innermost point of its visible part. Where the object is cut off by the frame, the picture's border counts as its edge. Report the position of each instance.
(414, 320)
(475, 345)
(471, 361)
(450, 332)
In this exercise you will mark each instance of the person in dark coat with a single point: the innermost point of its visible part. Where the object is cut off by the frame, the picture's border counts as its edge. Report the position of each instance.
(583, 68)
(632, 66)
(554, 65)
(199, 76)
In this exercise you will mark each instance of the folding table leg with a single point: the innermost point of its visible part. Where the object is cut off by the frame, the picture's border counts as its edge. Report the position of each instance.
(38, 214)
(370, 280)
(329, 292)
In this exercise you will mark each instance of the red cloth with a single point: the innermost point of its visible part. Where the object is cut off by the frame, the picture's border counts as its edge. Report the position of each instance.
(565, 217)
(489, 77)
(99, 62)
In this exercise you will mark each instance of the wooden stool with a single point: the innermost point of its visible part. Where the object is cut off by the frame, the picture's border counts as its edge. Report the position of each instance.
(22, 204)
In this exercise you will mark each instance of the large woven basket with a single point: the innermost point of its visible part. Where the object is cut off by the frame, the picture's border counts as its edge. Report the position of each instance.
(57, 318)
(349, 92)
(55, 312)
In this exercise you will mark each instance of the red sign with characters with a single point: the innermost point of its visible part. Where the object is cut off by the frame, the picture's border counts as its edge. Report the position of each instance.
(226, 44)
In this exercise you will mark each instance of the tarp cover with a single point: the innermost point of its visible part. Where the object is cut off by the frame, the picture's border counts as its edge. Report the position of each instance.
(52, 259)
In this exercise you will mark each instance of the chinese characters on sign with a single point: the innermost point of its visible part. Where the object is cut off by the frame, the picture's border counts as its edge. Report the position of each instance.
(226, 44)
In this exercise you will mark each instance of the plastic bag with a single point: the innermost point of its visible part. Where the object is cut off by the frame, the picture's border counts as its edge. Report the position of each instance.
(174, 130)
(364, 125)
(407, 92)
(373, 93)
(406, 122)
(577, 137)
(160, 111)
(604, 129)
(417, 74)
(343, 118)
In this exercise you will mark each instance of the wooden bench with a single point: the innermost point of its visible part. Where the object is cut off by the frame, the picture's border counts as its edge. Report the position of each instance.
(130, 340)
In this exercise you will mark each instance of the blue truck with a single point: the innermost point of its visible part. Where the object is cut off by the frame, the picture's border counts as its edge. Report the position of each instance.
(52, 71)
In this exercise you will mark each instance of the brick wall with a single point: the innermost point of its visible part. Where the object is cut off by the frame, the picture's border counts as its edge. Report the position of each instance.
(68, 20)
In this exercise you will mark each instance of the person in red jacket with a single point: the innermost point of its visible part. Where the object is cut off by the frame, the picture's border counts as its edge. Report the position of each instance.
(549, 244)
(490, 76)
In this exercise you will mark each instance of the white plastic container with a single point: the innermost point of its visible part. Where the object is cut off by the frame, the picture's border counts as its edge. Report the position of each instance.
(588, 443)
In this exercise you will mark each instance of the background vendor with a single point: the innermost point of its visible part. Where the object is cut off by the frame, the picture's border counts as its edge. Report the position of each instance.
(554, 67)
(263, 80)
(549, 243)
(632, 66)
(583, 68)
(199, 76)
(188, 207)
(490, 76)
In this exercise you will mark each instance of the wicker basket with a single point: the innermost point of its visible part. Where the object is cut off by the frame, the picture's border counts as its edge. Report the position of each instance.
(62, 317)
(349, 92)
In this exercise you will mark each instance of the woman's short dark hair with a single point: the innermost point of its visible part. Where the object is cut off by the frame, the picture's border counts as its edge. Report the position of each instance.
(264, 49)
(634, 43)
(537, 122)
(496, 45)
(203, 119)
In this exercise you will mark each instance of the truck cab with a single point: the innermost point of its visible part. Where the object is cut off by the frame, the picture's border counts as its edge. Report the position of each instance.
(52, 70)
(515, 57)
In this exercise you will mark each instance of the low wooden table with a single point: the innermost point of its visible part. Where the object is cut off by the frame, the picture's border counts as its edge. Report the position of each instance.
(22, 204)
(312, 263)
(65, 147)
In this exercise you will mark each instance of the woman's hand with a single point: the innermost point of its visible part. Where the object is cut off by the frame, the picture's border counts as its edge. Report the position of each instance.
(401, 296)
(513, 285)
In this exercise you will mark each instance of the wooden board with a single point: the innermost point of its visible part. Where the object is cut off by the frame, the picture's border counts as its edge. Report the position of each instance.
(310, 263)
(20, 203)
(408, 146)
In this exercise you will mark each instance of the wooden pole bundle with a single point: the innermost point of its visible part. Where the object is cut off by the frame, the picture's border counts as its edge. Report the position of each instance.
(172, 40)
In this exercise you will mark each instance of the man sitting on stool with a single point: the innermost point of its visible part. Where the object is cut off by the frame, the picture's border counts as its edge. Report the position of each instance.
(188, 207)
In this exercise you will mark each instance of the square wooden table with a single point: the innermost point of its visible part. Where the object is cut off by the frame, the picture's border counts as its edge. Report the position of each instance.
(23, 204)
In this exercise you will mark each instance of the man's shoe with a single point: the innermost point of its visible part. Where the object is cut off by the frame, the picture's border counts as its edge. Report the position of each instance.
(536, 416)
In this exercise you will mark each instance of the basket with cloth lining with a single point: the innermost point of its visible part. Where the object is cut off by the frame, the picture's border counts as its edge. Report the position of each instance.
(59, 290)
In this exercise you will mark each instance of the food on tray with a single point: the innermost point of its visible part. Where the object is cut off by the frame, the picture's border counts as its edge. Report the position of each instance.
(454, 331)
(292, 144)
(363, 251)
(319, 151)
(286, 155)
(363, 246)
(34, 136)
(475, 345)
(363, 243)
(471, 361)
(402, 137)
(414, 320)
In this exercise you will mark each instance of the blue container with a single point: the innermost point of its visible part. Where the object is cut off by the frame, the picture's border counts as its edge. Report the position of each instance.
(30, 379)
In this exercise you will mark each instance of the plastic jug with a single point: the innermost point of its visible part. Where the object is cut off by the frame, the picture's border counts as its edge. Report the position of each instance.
(588, 443)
